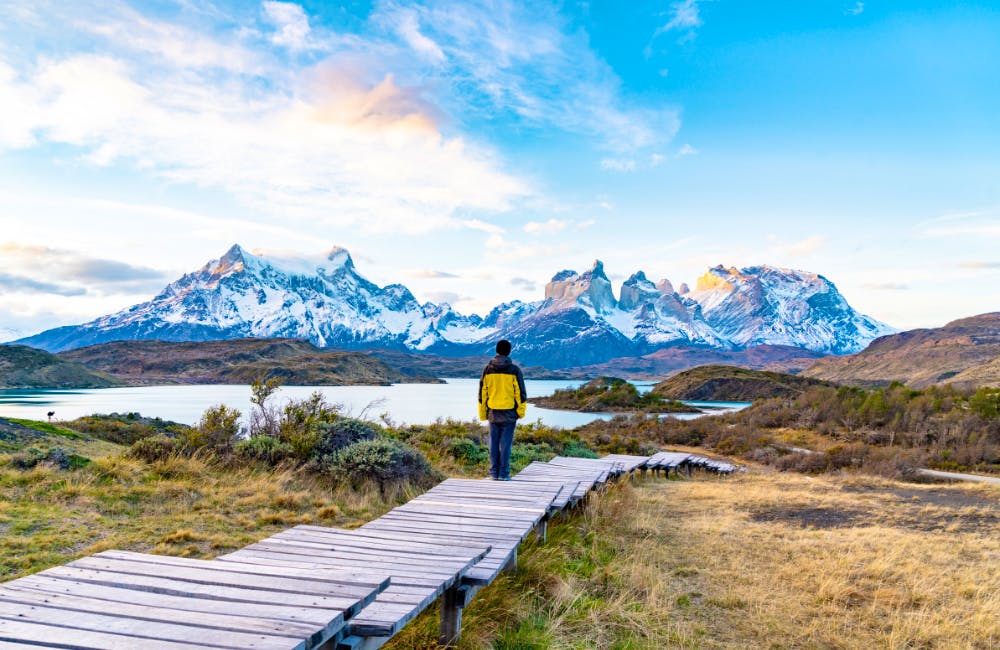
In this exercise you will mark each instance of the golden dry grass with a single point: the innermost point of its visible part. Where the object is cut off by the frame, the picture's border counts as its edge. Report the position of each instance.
(180, 506)
(762, 560)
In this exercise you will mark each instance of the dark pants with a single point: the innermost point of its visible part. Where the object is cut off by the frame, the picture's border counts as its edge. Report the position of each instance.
(501, 438)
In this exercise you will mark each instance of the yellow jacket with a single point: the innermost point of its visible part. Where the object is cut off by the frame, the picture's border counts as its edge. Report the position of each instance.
(501, 391)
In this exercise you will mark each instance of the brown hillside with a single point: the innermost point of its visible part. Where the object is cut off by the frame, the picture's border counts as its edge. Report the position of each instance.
(964, 352)
(236, 361)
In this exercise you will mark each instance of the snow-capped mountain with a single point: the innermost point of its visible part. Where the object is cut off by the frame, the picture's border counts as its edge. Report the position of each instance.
(578, 322)
(764, 304)
(241, 294)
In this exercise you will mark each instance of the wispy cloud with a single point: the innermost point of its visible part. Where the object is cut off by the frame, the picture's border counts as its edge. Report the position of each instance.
(69, 273)
(549, 227)
(342, 143)
(886, 286)
(856, 9)
(685, 18)
(428, 274)
(21, 284)
(980, 265)
(529, 60)
(687, 150)
(524, 284)
(449, 297)
(618, 164)
(290, 23)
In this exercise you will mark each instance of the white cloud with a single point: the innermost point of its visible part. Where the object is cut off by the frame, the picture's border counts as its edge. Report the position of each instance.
(340, 149)
(290, 22)
(618, 164)
(801, 248)
(547, 227)
(428, 274)
(684, 17)
(527, 59)
(857, 9)
(406, 23)
(687, 150)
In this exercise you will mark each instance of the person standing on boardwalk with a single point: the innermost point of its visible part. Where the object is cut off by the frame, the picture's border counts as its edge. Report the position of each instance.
(501, 401)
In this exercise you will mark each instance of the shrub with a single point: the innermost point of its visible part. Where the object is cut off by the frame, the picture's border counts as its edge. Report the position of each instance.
(265, 450)
(154, 449)
(124, 429)
(340, 433)
(468, 451)
(218, 429)
(62, 459)
(381, 460)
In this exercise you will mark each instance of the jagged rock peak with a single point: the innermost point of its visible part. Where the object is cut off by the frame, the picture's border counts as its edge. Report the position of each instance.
(684, 288)
(664, 286)
(637, 290)
(591, 289)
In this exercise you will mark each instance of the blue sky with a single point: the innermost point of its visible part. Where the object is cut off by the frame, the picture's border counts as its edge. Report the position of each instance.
(471, 150)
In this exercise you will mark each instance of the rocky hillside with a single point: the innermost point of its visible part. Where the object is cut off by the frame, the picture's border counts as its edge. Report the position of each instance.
(964, 352)
(238, 361)
(25, 367)
(732, 384)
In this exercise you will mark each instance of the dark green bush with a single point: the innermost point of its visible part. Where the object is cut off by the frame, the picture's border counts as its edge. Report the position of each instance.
(155, 448)
(468, 451)
(270, 451)
(381, 460)
(340, 433)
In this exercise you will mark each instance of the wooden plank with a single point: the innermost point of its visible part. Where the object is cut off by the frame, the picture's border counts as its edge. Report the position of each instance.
(365, 538)
(230, 621)
(53, 586)
(66, 623)
(360, 537)
(443, 561)
(222, 578)
(404, 577)
(401, 527)
(181, 588)
(49, 636)
(362, 579)
(359, 532)
(385, 563)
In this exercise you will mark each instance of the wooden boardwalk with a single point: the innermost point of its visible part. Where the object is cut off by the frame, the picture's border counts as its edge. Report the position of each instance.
(313, 587)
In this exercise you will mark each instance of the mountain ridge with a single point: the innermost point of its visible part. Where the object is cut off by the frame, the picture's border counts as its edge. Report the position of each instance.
(965, 352)
(579, 321)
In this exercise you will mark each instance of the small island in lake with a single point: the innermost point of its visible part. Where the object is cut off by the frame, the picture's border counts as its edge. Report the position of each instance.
(611, 395)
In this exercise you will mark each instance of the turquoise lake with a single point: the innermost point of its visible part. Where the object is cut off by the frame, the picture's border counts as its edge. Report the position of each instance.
(400, 403)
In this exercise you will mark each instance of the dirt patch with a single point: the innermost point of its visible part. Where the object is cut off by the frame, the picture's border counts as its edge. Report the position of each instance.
(935, 509)
(814, 517)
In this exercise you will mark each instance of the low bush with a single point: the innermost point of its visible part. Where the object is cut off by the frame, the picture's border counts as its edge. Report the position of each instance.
(154, 449)
(340, 433)
(269, 451)
(468, 451)
(125, 428)
(218, 430)
(58, 458)
(382, 460)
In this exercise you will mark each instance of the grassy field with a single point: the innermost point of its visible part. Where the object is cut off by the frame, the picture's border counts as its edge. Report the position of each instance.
(763, 560)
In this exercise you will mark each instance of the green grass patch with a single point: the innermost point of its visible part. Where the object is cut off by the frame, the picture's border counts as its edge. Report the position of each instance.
(47, 427)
